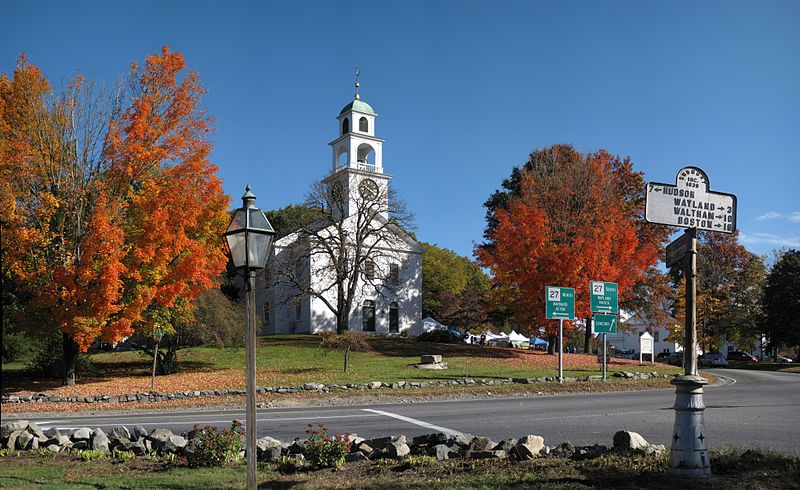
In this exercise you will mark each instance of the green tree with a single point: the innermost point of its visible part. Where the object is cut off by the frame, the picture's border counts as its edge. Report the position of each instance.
(291, 218)
(781, 301)
(729, 284)
(454, 288)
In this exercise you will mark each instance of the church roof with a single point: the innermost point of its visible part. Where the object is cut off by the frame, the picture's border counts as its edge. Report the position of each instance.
(357, 105)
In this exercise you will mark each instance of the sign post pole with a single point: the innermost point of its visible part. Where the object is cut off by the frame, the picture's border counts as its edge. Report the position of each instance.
(560, 350)
(689, 453)
(605, 357)
(560, 305)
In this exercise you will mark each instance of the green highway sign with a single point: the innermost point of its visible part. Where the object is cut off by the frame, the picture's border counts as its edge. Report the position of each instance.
(604, 323)
(604, 297)
(560, 303)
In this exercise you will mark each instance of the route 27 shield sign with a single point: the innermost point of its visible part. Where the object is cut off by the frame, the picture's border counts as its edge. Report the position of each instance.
(690, 203)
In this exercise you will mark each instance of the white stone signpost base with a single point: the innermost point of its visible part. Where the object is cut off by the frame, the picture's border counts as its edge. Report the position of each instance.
(689, 454)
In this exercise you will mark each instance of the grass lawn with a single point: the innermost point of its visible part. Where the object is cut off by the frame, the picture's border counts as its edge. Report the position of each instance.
(733, 469)
(294, 360)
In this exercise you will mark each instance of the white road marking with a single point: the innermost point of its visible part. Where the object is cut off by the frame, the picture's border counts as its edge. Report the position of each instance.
(730, 381)
(414, 421)
(223, 421)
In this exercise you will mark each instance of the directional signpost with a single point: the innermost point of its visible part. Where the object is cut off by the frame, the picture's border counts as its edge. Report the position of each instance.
(560, 305)
(676, 251)
(604, 299)
(690, 204)
(605, 324)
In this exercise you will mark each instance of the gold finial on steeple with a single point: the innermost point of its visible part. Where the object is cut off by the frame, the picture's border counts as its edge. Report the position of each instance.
(358, 72)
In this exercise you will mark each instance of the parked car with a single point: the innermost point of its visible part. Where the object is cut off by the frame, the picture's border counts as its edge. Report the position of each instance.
(662, 356)
(676, 359)
(626, 353)
(780, 358)
(712, 359)
(736, 355)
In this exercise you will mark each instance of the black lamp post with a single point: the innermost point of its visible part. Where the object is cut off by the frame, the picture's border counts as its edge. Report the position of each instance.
(249, 238)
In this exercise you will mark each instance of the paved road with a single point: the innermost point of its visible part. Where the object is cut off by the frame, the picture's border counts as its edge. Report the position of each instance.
(753, 408)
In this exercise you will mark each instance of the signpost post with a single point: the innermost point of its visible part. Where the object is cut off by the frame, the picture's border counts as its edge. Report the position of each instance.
(560, 305)
(690, 204)
(604, 324)
(604, 299)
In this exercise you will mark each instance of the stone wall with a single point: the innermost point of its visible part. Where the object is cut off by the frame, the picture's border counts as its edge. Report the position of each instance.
(398, 385)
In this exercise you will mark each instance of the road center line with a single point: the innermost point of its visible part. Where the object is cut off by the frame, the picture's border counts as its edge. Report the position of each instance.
(414, 421)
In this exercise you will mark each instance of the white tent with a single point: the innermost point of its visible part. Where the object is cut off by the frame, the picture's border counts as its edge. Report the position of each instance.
(517, 337)
(428, 324)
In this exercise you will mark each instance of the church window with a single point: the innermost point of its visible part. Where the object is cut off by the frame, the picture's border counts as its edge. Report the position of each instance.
(394, 273)
(345, 126)
(297, 310)
(655, 336)
(394, 318)
(369, 270)
(368, 316)
(266, 313)
(363, 125)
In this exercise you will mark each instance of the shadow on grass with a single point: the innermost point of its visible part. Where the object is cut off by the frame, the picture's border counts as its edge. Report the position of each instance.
(20, 381)
(279, 484)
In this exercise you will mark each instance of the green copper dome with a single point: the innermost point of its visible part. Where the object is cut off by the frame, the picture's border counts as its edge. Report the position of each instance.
(357, 105)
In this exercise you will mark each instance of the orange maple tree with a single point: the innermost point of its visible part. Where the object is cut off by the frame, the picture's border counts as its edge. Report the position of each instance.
(574, 218)
(119, 230)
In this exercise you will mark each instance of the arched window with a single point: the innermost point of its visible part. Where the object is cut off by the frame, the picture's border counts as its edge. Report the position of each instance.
(342, 157)
(394, 318)
(345, 126)
(368, 316)
(363, 125)
(366, 154)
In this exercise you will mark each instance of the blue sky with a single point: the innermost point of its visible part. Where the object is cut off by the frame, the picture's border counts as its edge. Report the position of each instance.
(465, 90)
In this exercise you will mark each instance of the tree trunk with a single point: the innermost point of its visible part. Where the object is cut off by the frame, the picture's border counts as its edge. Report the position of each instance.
(587, 340)
(70, 360)
(551, 347)
(346, 355)
(341, 323)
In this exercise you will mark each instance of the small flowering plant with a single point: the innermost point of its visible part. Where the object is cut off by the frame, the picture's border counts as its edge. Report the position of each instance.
(323, 450)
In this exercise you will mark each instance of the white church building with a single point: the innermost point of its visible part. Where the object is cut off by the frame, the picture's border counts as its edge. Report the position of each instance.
(387, 297)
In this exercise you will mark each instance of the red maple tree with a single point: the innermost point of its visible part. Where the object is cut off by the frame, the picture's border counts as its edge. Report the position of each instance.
(574, 219)
(119, 233)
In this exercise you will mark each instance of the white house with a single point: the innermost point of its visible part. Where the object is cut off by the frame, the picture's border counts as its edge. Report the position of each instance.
(388, 298)
(636, 324)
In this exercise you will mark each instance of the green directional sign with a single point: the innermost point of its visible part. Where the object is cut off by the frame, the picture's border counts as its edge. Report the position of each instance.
(604, 323)
(604, 297)
(560, 303)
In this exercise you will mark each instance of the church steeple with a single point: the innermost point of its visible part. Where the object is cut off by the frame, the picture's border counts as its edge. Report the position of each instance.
(357, 146)
(357, 156)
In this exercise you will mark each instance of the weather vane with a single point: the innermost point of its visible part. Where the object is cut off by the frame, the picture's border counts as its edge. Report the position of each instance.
(358, 72)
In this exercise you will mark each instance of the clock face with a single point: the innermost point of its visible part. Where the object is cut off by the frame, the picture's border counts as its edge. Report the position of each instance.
(368, 189)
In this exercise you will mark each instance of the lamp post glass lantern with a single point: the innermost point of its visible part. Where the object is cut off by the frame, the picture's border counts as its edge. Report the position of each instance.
(249, 235)
(249, 239)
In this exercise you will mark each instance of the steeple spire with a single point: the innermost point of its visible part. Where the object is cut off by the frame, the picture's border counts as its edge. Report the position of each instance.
(358, 72)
